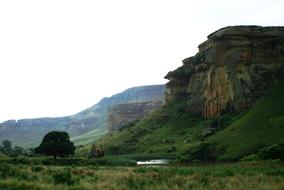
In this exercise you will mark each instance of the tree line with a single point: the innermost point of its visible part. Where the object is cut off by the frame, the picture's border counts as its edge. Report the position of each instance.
(7, 149)
(54, 143)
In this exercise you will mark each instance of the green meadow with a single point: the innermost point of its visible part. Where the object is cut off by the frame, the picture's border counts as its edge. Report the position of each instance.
(241, 175)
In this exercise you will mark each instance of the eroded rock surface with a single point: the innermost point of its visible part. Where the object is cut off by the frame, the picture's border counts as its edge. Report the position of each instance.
(230, 71)
(122, 114)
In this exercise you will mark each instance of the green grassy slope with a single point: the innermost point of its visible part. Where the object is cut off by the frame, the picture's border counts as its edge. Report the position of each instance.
(261, 126)
(173, 130)
(167, 130)
(90, 137)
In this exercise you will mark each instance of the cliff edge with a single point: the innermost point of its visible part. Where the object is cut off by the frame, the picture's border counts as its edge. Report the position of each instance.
(230, 72)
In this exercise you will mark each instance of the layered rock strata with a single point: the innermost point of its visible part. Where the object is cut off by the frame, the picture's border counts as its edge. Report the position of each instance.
(231, 70)
(122, 114)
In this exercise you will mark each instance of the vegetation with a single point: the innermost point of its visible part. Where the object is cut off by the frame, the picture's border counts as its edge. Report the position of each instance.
(91, 136)
(254, 137)
(8, 150)
(165, 131)
(228, 137)
(273, 152)
(256, 175)
(261, 126)
(75, 161)
(56, 143)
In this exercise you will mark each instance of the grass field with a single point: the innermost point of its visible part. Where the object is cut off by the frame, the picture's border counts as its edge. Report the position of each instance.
(239, 176)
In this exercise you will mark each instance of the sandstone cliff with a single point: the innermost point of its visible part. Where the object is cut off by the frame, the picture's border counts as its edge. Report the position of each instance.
(231, 70)
(122, 114)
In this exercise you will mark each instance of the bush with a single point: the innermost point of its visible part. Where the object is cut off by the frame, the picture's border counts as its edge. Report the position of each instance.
(271, 152)
(7, 170)
(144, 157)
(37, 168)
(111, 162)
(205, 152)
(183, 159)
(252, 157)
(64, 177)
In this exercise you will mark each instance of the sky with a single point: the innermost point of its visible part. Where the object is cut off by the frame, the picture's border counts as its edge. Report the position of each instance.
(58, 57)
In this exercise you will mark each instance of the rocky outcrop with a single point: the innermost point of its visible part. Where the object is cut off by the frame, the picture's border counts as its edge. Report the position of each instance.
(231, 70)
(122, 114)
(96, 151)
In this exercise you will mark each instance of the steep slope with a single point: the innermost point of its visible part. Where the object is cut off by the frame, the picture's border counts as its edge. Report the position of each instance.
(165, 130)
(84, 127)
(261, 126)
(224, 103)
(174, 130)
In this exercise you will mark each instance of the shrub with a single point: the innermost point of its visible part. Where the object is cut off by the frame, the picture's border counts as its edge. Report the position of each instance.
(205, 152)
(182, 158)
(18, 185)
(274, 151)
(111, 162)
(136, 182)
(252, 157)
(64, 177)
(37, 168)
(7, 170)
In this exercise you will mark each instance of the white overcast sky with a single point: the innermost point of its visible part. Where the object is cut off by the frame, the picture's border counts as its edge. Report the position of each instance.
(58, 57)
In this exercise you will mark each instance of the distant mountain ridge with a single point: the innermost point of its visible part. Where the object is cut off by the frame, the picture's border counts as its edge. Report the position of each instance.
(83, 127)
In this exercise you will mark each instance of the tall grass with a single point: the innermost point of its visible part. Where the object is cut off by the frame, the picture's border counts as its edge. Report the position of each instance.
(253, 175)
(104, 161)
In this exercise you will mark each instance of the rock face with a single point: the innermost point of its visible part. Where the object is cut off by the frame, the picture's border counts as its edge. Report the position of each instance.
(230, 71)
(96, 151)
(122, 114)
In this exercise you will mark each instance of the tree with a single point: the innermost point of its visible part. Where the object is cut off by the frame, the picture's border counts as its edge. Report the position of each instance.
(6, 147)
(56, 143)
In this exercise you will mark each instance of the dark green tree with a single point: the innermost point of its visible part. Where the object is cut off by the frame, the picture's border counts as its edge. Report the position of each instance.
(56, 143)
(6, 147)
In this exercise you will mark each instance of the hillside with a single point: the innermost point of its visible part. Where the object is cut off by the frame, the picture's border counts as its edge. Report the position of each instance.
(84, 127)
(225, 102)
(261, 126)
(173, 130)
(100, 110)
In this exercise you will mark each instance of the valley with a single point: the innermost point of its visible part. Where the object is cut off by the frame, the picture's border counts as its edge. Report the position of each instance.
(83, 127)
(217, 124)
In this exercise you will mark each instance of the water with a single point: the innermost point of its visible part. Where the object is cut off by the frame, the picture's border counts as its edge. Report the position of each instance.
(154, 162)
